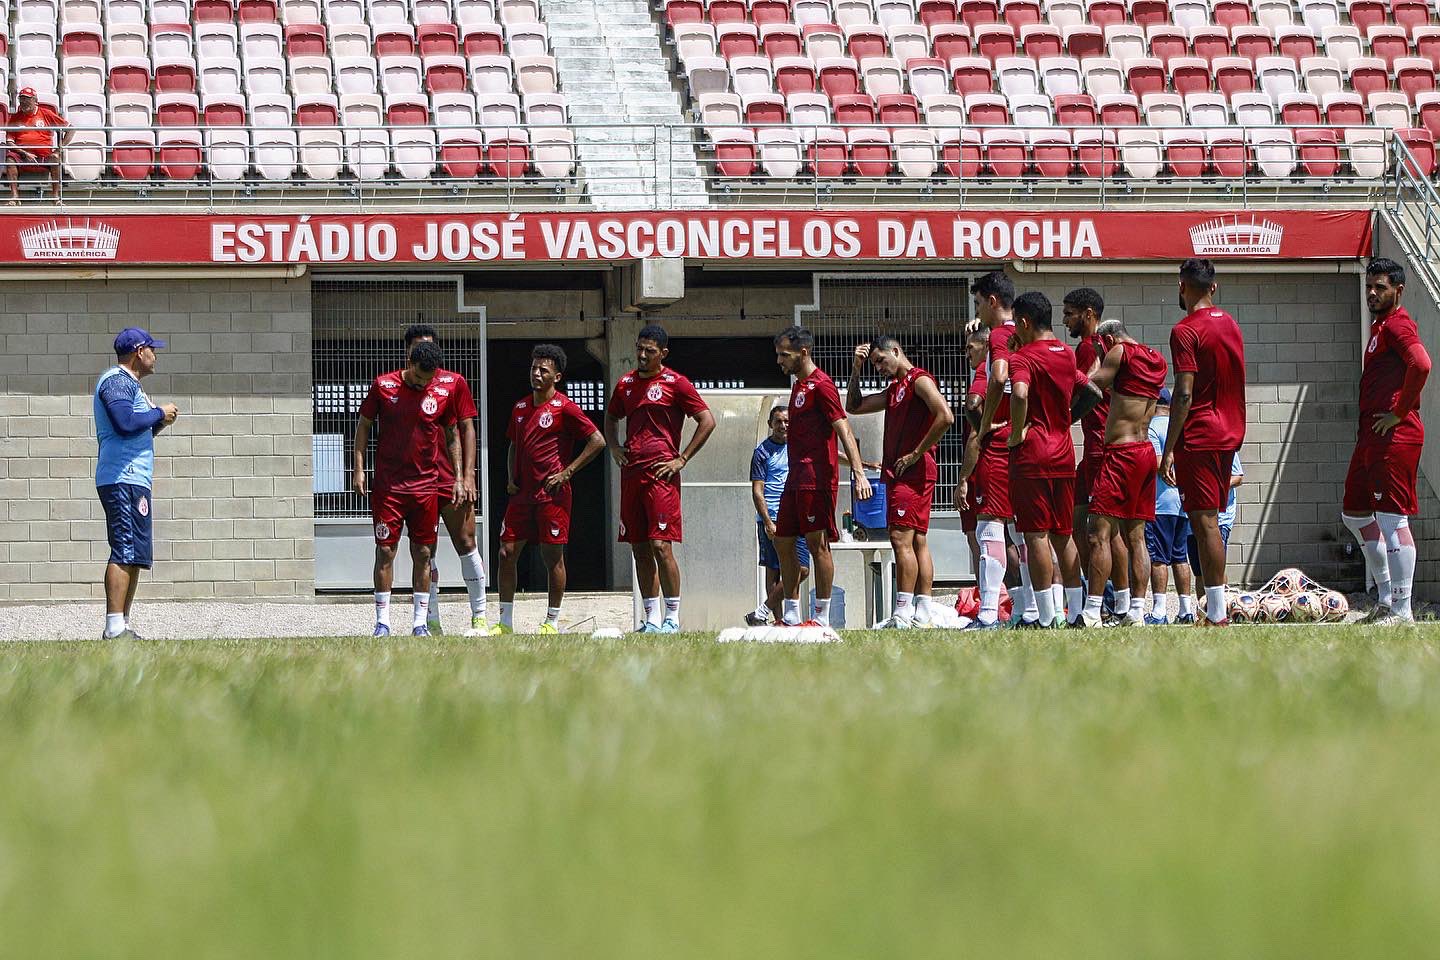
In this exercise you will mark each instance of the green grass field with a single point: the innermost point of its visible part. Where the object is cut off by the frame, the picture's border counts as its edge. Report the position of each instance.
(1256, 792)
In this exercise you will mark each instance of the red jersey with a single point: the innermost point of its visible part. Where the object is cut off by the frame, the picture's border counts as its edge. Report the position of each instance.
(814, 456)
(1142, 371)
(1384, 376)
(907, 420)
(1088, 352)
(1048, 367)
(654, 410)
(1000, 350)
(1208, 344)
(412, 432)
(36, 126)
(544, 437)
(464, 402)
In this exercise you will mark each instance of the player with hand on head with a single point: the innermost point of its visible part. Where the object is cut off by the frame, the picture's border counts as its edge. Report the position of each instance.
(769, 469)
(1380, 494)
(1082, 310)
(916, 417)
(1122, 495)
(543, 429)
(1043, 376)
(1207, 421)
(459, 516)
(807, 506)
(654, 401)
(416, 417)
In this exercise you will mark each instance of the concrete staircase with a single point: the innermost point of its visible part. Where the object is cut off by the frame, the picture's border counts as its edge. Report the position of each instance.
(612, 71)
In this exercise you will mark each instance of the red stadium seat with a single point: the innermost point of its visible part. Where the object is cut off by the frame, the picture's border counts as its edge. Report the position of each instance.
(962, 156)
(1041, 40)
(951, 40)
(1345, 110)
(1185, 153)
(213, 11)
(1389, 43)
(975, 12)
(1369, 75)
(862, 42)
(1119, 110)
(1104, 13)
(781, 40)
(1189, 75)
(1319, 151)
(1365, 14)
(725, 11)
(1021, 14)
(896, 109)
(1427, 44)
(258, 11)
(1075, 110)
(871, 153)
(462, 157)
(765, 108)
(987, 110)
(1422, 147)
(1231, 13)
(1149, 13)
(1296, 44)
(130, 76)
(1233, 75)
(1253, 42)
(1083, 42)
(1005, 152)
(794, 75)
(181, 158)
(740, 40)
(971, 75)
(828, 154)
(1210, 42)
(1053, 153)
(1300, 110)
(1410, 14)
(175, 76)
(684, 11)
(1097, 153)
(306, 40)
(507, 155)
(1166, 43)
(444, 75)
(1427, 108)
(1145, 75)
(1413, 76)
(437, 39)
(766, 12)
(399, 41)
(994, 40)
(932, 12)
(853, 108)
(838, 76)
(82, 40)
(1229, 155)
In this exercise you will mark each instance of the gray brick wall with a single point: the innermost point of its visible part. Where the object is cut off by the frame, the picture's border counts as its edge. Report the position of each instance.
(1302, 351)
(233, 503)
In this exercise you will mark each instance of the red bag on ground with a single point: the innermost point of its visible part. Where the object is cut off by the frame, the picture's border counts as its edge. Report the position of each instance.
(967, 604)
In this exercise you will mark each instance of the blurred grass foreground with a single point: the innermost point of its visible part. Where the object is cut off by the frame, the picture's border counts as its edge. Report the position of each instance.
(1258, 792)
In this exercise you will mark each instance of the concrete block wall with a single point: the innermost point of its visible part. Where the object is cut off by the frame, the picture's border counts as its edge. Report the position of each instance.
(1302, 351)
(233, 501)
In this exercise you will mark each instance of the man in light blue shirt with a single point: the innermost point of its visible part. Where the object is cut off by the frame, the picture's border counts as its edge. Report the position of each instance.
(769, 467)
(125, 426)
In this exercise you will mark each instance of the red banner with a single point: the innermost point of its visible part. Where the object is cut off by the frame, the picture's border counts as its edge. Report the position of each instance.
(866, 235)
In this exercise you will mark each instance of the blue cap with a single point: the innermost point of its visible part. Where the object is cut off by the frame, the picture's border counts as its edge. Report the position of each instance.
(1165, 396)
(130, 339)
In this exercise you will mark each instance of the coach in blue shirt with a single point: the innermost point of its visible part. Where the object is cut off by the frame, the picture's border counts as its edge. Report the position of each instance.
(125, 426)
(769, 466)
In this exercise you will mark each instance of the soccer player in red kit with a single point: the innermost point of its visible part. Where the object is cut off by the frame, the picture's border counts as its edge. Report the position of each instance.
(807, 507)
(654, 401)
(414, 414)
(459, 516)
(542, 431)
(916, 417)
(1122, 494)
(1042, 458)
(1380, 492)
(1207, 421)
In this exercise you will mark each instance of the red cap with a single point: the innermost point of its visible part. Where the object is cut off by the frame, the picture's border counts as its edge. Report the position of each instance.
(27, 91)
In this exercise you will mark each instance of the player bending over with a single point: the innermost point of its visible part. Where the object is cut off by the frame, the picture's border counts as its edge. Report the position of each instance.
(542, 431)
(654, 401)
(916, 417)
(1122, 497)
(414, 413)
(1042, 458)
(769, 468)
(807, 505)
(1207, 421)
(1380, 486)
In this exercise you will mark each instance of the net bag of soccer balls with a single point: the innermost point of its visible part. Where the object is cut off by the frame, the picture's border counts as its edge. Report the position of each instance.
(1289, 597)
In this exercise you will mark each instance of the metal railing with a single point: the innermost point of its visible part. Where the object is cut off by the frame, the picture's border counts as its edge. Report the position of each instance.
(1415, 213)
(646, 166)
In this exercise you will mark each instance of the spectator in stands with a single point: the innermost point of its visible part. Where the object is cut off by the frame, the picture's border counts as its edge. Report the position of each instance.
(34, 143)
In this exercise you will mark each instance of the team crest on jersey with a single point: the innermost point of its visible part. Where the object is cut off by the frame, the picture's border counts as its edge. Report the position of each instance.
(143, 506)
(382, 531)
(546, 420)
(429, 405)
(655, 394)
(900, 394)
(799, 400)
(900, 511)
(1374, 343)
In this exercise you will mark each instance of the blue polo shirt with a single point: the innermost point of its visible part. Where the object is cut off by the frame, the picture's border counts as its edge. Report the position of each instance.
(125, 425)
(771, 463)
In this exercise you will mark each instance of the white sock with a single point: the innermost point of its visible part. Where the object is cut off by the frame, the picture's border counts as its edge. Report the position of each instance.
(1057, 596)
(1157, 605)
(652, 610)
(791, 614)
(420, 609)
(672, 609)
(382, 607)
(1092, 605)
(1045, 607)
(1371, 537)
(473, 570)
(923, 613)
(507, 613)
(1122, 602)
(552, 616)
(822, 611)
(905, 605)
(1187, 605)
(1137, 608)
(1074, 602)
(114, 623)
(1215, 604)
(1400, 560)
(763, 610)
(1025, 596)
(990, 534)
(435, 590)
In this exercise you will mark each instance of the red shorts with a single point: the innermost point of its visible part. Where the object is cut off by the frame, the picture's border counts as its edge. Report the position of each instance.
(417, 513)
(649, 506)
(1382, 477)
(805, 511)
(536, 522)
(908, 503)
(992, 481)
(1203, 477)
(1044, 504)
(1085, 473)
(1124, 483)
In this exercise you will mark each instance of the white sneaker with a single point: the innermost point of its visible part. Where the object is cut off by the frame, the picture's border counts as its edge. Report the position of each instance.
(895, 622)
(1090, 620)
(1391, 619)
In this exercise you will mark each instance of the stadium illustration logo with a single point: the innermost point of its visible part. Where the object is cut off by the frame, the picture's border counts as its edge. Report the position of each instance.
(70, 239)
(1231, 236)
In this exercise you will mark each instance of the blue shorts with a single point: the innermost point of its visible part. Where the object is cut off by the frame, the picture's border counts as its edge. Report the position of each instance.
(770, 559)
(1194, 549)
(127, 523)
(1165, 538)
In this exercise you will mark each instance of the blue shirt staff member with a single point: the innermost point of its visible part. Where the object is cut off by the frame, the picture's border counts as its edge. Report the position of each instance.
(125, 426)
(769, 467)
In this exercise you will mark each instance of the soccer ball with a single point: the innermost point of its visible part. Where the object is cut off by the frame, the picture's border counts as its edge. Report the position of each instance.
(1307, 607)
(1289, 581)
(1244, 607)
(1274, 609)
(1334, 604)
